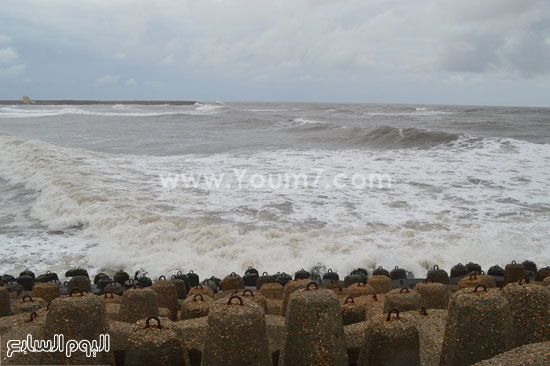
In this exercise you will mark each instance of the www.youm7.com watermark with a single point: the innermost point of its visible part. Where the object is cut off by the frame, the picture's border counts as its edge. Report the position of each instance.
(244, 179)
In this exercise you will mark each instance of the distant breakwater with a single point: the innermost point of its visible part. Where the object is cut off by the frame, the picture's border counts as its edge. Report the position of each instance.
(107, 102)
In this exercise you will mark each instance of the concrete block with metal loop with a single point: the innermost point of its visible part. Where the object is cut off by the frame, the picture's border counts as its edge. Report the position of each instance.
(291, 287)
(81, 282)
(352, 312)
(138, 303)
(543, 273)
(28, 304)
(250, 277)
(78, 271)
(26, 281)
(193, 278)
(121, 277)
(435, 295)
(438, 275)
(380, 271)
(167, 296)
(398, 274)
(232, 282)
(530, 309)
(272, 290)
(152, 342)
(236, 334)
(473, 280)
(513, 272)
(402, 299)
(47, 277)
(196, 306)
(459, 270)
(181, 288)
(479, 326)
(359, 289)
(283, 278)
(496, 270)
(78, 316)
(265, 278)
(380, 283)
(32, 325)
(302, 275)
(202, 289)
(315, 332)
(47, 291)
(390, 341)
(5, 302)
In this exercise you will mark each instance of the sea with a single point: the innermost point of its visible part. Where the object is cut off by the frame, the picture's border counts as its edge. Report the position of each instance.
(218, 187)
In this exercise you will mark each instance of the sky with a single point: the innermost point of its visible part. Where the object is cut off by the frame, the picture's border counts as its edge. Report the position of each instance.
(476, 52)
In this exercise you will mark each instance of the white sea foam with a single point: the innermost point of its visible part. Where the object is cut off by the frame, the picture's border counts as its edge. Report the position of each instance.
(487, 203)
(116, 111)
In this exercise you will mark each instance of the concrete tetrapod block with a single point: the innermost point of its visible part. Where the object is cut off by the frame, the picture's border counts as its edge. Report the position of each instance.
(201, 289)
(438, 275)
(79, 316)
(181, 288)
(28, 304)
(402, 299)
(390, 340)
(536, 354)
(138, 304)
(434, 295)
(47, 291)
(380, 283)
(167, 296)
(232, 282)
(80, 282)
(272, 290)
(359, 289)
(352, 312)
(32, 325)
(513, 272)
(5, 302)
(479, 326)
(546, 282)
(473, 280)
(155, 341)
(236, 334)
(431, 329)
(263, 279)
(530, 309)
(315, 332)
(196, 306)
(291, 287)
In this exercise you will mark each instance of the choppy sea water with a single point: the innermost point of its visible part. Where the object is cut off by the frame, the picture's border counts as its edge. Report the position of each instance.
(203, 187)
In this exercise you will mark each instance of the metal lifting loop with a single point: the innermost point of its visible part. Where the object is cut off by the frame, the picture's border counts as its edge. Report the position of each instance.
(482, 286)
(230, 301)
(312, 283)
(346, 301)
(147, 325)
(33, 317)
(393, 311)
(27, 297)
(109, 292)
(197, 295)
(524, 280)
(403, 289)
(247, 291)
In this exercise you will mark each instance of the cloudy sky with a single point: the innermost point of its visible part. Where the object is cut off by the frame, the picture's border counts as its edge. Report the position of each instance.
(494, 52)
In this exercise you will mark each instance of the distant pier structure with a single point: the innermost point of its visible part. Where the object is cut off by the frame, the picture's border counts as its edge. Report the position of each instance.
(27, 100)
